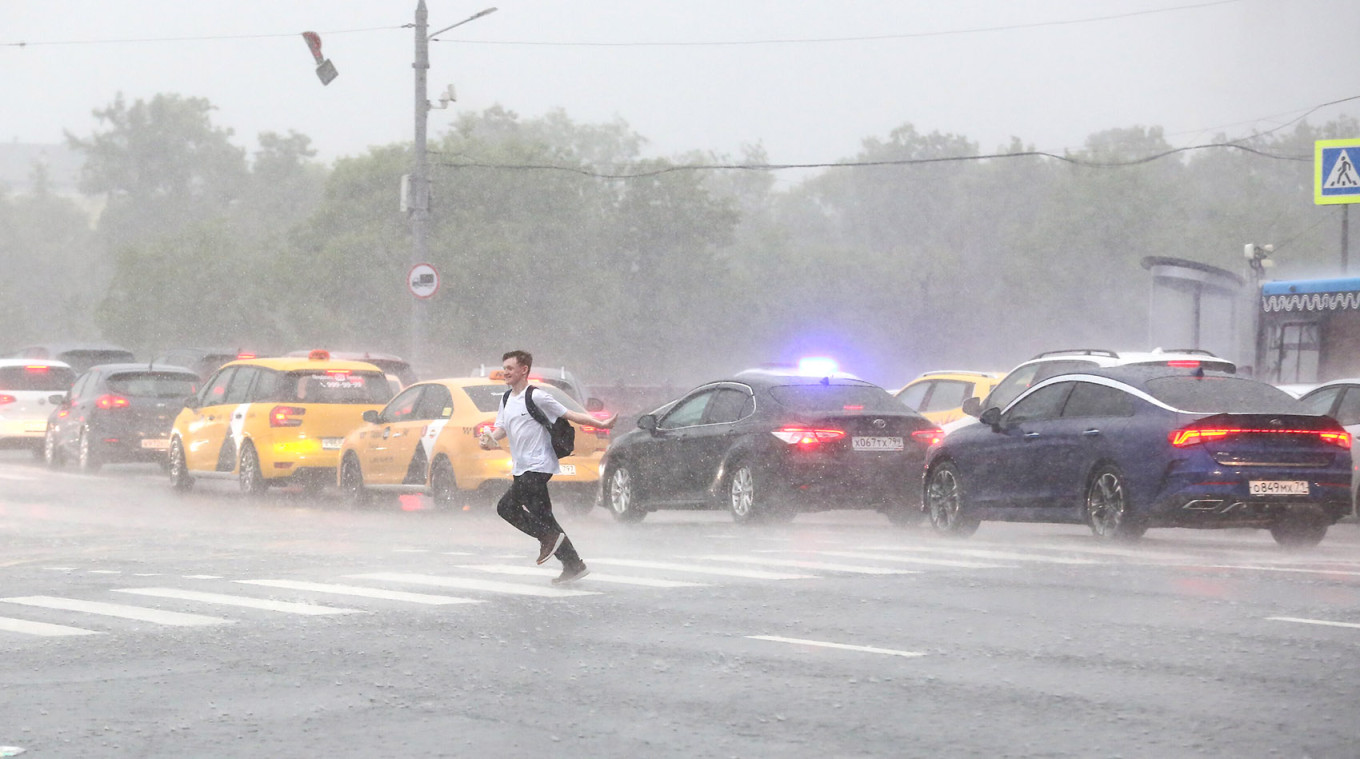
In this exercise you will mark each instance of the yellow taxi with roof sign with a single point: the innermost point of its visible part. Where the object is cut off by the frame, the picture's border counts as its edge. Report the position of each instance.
(425, 441)
(273, 421)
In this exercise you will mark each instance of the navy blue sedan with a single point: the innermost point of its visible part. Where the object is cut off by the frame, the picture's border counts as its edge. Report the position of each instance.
(1125, 449)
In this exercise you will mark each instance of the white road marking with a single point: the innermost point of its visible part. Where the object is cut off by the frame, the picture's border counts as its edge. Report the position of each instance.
(916, 560)
(841, 646)
(1326, 623)
(457, 553)
(362, 592)
(1277, 569)
(507, 569)
(754, 574)
(979, 553)
(822, 565)
(489, 586)
(60, 569)
(287, 607)
(41, 628)
(146, 574)
(410, 550)
(105, 572)
(202, 577)
(140, 613)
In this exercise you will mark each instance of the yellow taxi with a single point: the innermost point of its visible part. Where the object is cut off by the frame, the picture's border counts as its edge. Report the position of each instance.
(425, 441)
(939, 396)
(272, 421)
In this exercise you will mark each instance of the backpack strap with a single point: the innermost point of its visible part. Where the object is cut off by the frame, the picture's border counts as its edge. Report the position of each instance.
(532, 407)
(505, 398)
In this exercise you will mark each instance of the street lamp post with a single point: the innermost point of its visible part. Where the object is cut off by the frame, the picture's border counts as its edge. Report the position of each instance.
(420, 172)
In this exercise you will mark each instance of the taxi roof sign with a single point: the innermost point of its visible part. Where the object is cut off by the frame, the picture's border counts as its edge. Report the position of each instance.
(1336, 173)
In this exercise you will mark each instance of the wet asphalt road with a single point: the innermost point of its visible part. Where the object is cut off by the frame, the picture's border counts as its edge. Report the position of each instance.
(293, 626)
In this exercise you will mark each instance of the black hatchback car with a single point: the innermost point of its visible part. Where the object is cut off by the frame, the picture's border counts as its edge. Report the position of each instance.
(117, 412)
(766, 445)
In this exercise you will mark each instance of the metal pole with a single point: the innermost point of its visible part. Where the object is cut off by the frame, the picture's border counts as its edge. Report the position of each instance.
(1345, 239)
(420, 181)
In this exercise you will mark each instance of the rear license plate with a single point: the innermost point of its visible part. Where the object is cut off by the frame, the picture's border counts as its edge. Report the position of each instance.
(1279, 487)
(877, 443)
(331, 443)
(566, 469)
(35, 427)
(156, 443)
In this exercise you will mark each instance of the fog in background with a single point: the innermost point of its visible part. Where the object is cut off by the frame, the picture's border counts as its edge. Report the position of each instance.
(208, 232)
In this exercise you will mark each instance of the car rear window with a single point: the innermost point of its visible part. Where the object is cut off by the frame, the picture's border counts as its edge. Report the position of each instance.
(335, 386)
(37, 377)
(1223, 395)
(835, 398)
(92, 357)
(154, 384)
(488, 397)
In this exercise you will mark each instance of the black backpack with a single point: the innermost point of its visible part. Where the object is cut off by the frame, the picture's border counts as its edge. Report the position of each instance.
(561, 432)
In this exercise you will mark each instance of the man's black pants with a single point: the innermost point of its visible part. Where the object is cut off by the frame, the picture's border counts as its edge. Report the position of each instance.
(527, 506)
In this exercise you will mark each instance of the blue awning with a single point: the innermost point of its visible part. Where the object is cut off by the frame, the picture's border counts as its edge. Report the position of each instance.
(1339, 294)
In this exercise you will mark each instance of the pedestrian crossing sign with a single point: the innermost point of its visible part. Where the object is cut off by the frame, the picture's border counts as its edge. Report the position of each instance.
(1336, 178)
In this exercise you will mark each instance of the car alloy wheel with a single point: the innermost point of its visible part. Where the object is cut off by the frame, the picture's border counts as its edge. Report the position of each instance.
(179, 468)
(1107, 507)
(252, 479)
(622, 498)
(741, 494)
(945, 504)
(443, 483)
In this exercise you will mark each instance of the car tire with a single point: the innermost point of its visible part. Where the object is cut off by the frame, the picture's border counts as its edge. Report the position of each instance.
(621, 496)
(945, 503)
(443, 482)
(1299, 532)
(51, 451)
(748, 499)
(87, 452)
(179, 467)
(248, 472)
(352, 482)
(1107, 510)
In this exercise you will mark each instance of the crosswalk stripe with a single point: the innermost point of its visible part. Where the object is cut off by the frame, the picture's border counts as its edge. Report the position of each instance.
(362, 592)
(1278, 569)
(650, 582)
(287, 607)
(139, 613)
(41, 628)
(916, 560)
(841, 646)
(466, 583)
(754, 574)
(822, 565)
(980, 553)
(1323, 622)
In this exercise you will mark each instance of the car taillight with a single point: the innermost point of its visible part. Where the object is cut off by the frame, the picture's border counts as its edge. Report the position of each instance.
(6, 399)
(36, 369)
(286, 416)
(596, 431)
(483, 428)
(1183, 364)
(795, 434)
(111, 401)
(931, 436)
(1188, 436)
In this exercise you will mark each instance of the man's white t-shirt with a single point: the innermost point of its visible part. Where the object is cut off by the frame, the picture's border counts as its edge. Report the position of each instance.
(530, 444)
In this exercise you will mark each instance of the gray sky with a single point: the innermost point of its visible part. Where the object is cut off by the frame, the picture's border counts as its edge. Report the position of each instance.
(1231, 66)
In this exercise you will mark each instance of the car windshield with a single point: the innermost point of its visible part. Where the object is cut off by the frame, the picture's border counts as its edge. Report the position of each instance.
(835, 398)
(36, 377)
(335, 386)
(488, 397)
(154, 384)
(1223, 395)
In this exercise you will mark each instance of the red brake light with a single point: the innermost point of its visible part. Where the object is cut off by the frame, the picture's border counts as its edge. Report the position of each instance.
(244, 356)
(1184, 364)
(286, 416)
(37, 369)
(1189, 436)
(111, 401)
(930, 436)
(340, 374)
(6, 399)
(797, 434)
(852, 408)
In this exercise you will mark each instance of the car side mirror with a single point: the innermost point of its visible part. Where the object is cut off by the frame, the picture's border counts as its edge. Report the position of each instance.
(594, 404)
(647, 422)
(58, 399)
(992, 418)
(972, 405)
(371, 416)
(191, 402)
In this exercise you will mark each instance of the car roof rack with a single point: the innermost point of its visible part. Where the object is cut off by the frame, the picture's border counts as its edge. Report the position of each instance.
(1078, 352)
(1192, 351)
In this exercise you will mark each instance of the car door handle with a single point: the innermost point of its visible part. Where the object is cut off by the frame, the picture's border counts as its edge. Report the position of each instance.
(1091, 433)
(1031, 435)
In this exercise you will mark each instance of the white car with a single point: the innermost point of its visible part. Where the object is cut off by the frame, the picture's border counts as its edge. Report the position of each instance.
(1340, 399)
(26, 388)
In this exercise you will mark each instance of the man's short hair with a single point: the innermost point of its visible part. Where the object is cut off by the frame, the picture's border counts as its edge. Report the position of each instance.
(523, 357)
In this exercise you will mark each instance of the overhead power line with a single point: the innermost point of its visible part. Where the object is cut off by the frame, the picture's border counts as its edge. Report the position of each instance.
(209, 38)
(643, 174)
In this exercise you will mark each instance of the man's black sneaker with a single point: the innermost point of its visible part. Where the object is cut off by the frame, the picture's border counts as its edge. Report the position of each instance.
(571, 574)
(548, 546)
